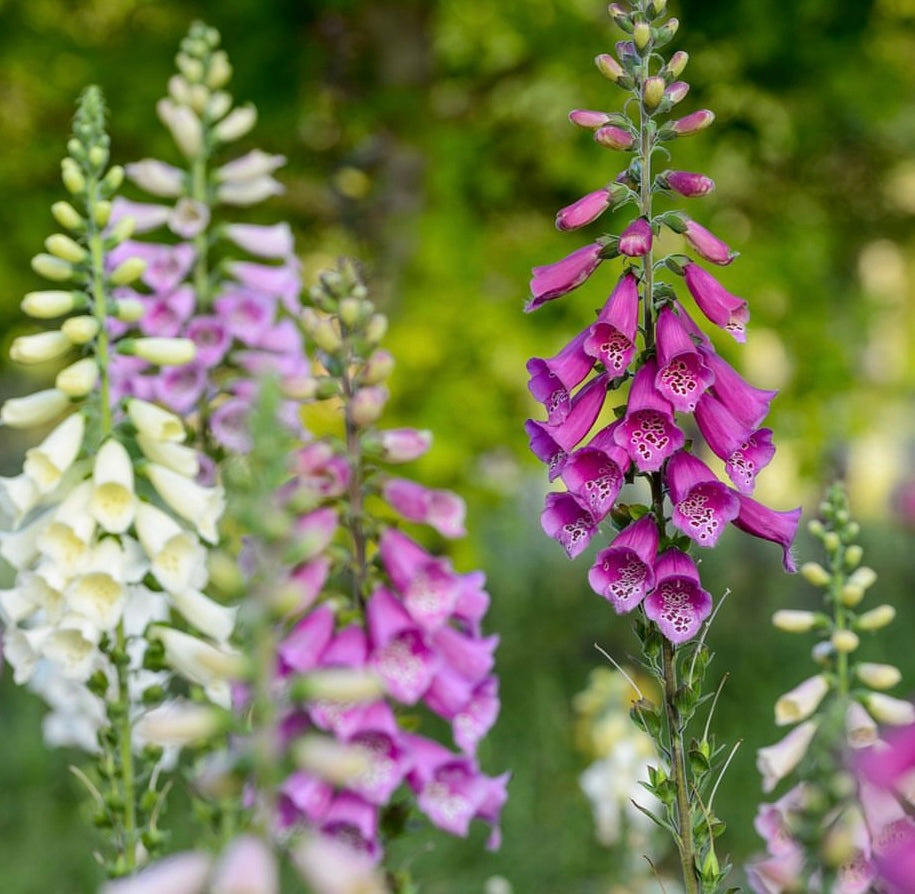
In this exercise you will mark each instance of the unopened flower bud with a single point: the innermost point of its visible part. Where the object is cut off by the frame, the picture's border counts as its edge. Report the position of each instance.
(123, 229)
(101, 213)
(620, 17)
(675, 93)
(128, 271)
(326, 335)
(665, 34)
(154, 421)
(368, 404)
(52, 267)
(845, 641)
(692, 123)
(67, 249)
(609, 67)
(219, 71)
(876, 618)
(878, 676)
(184, 125)
(853, 555)
(49, 304)
(823, 652)
(80, 330)
(676, 64)
(653, 92)
(339, 685)
(218, 105)
(67, 216)
(376, 329)
(179, 724)
(860, 729)
(327, 388)
(78, 379)
(378, 367)
(161, 351)
(794, 621)
(656, 8)
(34, 409)
(236, 124)
(815, 574)
(641, 35)
(190, 67)
(72, 176)
(863, 577)
(588, 118)
(401, 445)
(98, 157)
(113, 179)
(179, 89)
(199, 97)
(831, 541)
(815, 526)
(349, 310)
(40, 347)
(851, 594)
(886, 709)
(612, 137)
(331, 760)
(299, 387)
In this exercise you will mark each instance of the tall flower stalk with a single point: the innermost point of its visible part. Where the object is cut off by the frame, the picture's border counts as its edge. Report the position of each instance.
(645, 339)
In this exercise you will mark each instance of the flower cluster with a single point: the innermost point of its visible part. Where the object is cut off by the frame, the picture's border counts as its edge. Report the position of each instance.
(828, 831)
(408, 618)
(236, 312)
(674, 370)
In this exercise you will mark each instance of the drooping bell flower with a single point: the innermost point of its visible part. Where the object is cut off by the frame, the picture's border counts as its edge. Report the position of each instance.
(596, 473)
(682, 375)
(440, 509)
(769, 524)
(747, 404)
(708, 245)
(586, 210)
(553, 280)
(749, 459)
(553, 379)
(353, 821)
(678, 604)
(611, 339)
(648, 432)
(566, 521)
(477, 716)
(379, 738)
(688, 184)
(717, 303)
(702, 504)
(636, 239)
(623, 572)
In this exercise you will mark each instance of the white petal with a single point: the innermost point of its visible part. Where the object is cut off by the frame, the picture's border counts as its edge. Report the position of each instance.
(99, 597)
(47, 463)
(21, 651)
(202, 506)
(178, 457)
(75, 656)
(209, 617)
(18, 496)
(155, 422)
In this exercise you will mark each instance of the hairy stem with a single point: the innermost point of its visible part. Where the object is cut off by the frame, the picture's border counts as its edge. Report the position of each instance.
(354, 454)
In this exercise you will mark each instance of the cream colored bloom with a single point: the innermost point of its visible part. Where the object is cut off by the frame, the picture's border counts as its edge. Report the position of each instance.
(333, 761)
(200, 662)
(155, 422)
(878, 676)
(72, 652)
(178, 457)
(202, 506)
(248, 192)
(80, 330)
(39, 348)
(113, 503)
(802, 701)
(236, 124)
(247, 866)
(47, 463)
(886, 709)
(178, 723)
(21, 650)
(99, 597)
(776, 761)
(35, 409)
(20, 548)
(209, 617)
(860, 728)
(177, 559)
(164, 351)
(184, 125)
(78, 379)
(18, 496)
(48, 304)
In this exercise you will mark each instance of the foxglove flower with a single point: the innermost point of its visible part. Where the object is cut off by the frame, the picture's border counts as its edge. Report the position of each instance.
(702, 504)
(611, 339)
(555, 280)
(717, 303)
(682, 373)
(623, 572)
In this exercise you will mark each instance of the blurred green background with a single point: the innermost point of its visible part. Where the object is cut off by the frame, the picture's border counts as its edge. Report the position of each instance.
(429, 137)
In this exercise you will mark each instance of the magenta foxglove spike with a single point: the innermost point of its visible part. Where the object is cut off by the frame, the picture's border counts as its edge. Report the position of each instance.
(722, 431)
(623, 572)
(682, 375)
(567, 522)
(584, 211)
(595, 477)
(553, 280)
(678, 604)
(611, 137)
(703, 506)
(353, 821)
(636, 239)
(717, 303)
(708, 245)
(476, 718)
(553, 379)
(611, 339)
(769, 524)
(471, 657)
(440, 509)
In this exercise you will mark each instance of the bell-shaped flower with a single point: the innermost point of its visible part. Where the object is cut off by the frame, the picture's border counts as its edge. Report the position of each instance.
(351, 819)
(802, 701)
(202, 506)
(611, 338)
(707, 245)
(18, 496)
(636, 239)
(776, 873)
(648, 432)
(304, 585)
(47, 463)
(157, 177)
(552, 379)
(34, 409)
(265, 241)
(716, 302)
(688, 184)
(476, 717)
(249, 166)
(623, 572)
(336, 867)
(153, 421)
(247, 866)
(177, 559)
(440, 509)
(595, 474)
(282, 281)
(678, 604)
(682, 373)
(166, 313)
(65, 540)
(776, 761)
(98, 596)
(209, 617)
(388, 761)
(747, 404)
(146, 216)
(568, 522)
(303, 795)
(553, 280)
(314, 531)
(249, 192)
(702, 504)
(113, 502)
(470, 656)
(177, 723)
(402, 445)
(200, 662)
(584, 211)
(22, 650)
(320, 471)
(769, 524)
(184, 873)
(301, 649)
(860, 728)
(178, 457)
(73, 650)
(211, 338)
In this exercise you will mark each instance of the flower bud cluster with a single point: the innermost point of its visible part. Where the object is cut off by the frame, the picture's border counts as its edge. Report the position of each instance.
(835, 710)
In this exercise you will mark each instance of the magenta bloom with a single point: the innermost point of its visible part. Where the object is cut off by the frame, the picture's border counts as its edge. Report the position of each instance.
(566, 521)
(678, 604)
(354, 822)
(611, 339)
(552, 280)
(301, 649)
(477, 716)
(403, 445)
(553, 379)
(586, 210)
(379, 736)
(623, 572)
(688, 184)
(769, 524)
(648, 432)
(707, 245)
(281, 281)
(440, 509)
(749, 459)
(717, 303)
(595, 474)
(702, 504)
(321, 470)
(747, 404)
(683, 375)
(635, 240)
(166, 314)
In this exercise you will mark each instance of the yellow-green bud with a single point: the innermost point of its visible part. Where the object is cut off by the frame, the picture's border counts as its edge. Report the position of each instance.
(161, 351)
(50, 304)
(72, 176)
(676, 64)
(299, 387)
(656, 8)
(851, 594)
(609, 67)
(666, 32)
(831, 541)
(876, 618)
(886, 709)
(220, 70)
(853, 555)
(129, 310)
(114, 178)
(349, 310)
(67, 216)
(851, 531)
(123, 229)
(376, 328)
(815, 526)
(128, 271)
(326, 335)
(378, 367)
(653, 92)
(815, 574)
(641, 35)
(80, 330)
(845, 641)
(199, 97)
(878, 676)
(78, 379)
(190, 67)
(794, 621)
(67, 249)
(40, 347)
(101, 212)
(51, 267)
(863, 577)
(98, 157)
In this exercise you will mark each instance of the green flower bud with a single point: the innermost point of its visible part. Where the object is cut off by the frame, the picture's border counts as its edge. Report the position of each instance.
(326, 335)
(98, 157)
(72, 176)
(129, 310)
(127, 271)
(853, 555)
(349, 310)
(863, 577)
(52, 267)
(815, 574)
(80, 330)
(123, 229)
(376, 328)
(112, 181)
(67, 216)
(845, 641)
(876, 618)
(641, 35)
(101, 212)
(851, 595)
(609, 67)
(49, 304)
(665, 34)
(67, 249)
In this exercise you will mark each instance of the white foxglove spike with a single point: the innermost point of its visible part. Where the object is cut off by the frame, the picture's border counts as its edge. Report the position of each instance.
(200, 662)
(98, 597)
(178, 457)
(18, 496)
(78, 379)
(249, 192)
(250, 166)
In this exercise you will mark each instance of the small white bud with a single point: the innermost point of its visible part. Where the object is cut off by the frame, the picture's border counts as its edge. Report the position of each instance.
(220, 70)
(863, 577)
(886, 709)
(878, 676)
(80, 330)
(53, 303)
(155, 422)
(815, 574)
(65, 248)
(218, 105)
(876, 618)
(331, 760)
(161, 351)
(101, 212)
(72, 176)
(40, 347)
(178, 724)
(851, 594)
(236, 124)
(129, 310)
(51, 267)
(128, 271)
(794, 621)
(341, 685)
(78, 379)
(845, 641)
(35, 409)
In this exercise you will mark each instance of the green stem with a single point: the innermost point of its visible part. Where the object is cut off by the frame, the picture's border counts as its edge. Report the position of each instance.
(354, 453)
(837, 560)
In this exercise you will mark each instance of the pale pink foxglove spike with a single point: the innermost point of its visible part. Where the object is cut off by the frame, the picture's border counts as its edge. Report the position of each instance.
(717, 303)
(251, 166)
(623, 572)
(166, 265)
(166, 314)
(553, 379)
(769, 524)
(337, 867)
(321, 470)
(157, 178)
(772, 821)
(180, 387)
(283, 281)
(747, 404)
(403, 445)
(247, 866)
(146, 216)
(689, 185)
(247, 314)
(799, 703)
(211, 339)
(566, 521)
(352, 820)
(584, 211)
(300, 649)
(778, 873)
(677, 604)
(248, 192)
(184, 873)
(636, 239)
(611, 339)
(553, 280)
(477, 717)
(683, 375)
(707, 245)
(703, 506)
(441, 509)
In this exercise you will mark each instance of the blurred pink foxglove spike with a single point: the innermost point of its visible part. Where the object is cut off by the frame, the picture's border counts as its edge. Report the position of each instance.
(777, 873)
(211, 338)
(474, 720)
(184, 873)
(702, 504)
(584, 211)
(623, 572)
(440, 509)
(682, 375)
(273, 241)
(775, 762)
(747, 404)
(611, 339)
(146, 215)
(353, 821)
(636, 239)
(648, 432)
(402, 445)
(678, 604)
(556, 279)
(689, 185)
(553, 379)
(301, 648)
(566, 521)
(717, 303)
(472, 657)
(247, 866)
(769, 524)
(707, 245)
